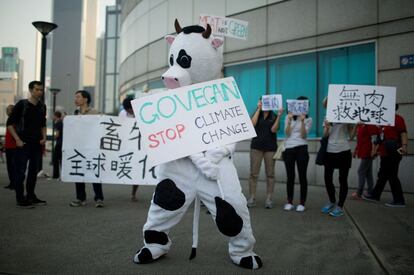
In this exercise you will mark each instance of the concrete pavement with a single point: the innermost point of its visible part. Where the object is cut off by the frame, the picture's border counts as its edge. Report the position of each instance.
(58, 239)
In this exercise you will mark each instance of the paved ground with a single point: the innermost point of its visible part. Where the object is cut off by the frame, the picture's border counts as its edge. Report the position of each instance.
(58, 239)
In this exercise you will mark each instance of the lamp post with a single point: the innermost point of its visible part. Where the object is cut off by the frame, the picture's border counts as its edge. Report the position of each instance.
(54, 92)
(44, 28)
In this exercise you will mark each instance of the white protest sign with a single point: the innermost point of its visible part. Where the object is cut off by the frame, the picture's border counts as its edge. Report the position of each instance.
(271, 102)
(104, 149)
(190, 119)
(224, 26)
(297, 107)
(361, 103)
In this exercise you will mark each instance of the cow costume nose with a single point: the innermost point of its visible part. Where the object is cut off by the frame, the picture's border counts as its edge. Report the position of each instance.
(170, 82)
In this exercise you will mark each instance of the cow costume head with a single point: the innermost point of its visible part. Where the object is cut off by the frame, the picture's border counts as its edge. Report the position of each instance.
(195, 56)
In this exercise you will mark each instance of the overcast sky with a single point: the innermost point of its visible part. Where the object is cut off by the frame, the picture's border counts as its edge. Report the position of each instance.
(16, 29)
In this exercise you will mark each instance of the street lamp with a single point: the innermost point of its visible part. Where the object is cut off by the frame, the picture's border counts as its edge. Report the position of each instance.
(54, 92)
(44, 28)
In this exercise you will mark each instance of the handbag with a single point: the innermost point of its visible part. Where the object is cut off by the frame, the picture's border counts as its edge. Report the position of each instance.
(279, 152)
(321, 155)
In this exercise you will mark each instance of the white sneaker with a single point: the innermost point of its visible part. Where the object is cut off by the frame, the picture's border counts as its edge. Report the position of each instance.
(268, 204)
(251, 203)
(300, 208)
(288, 207)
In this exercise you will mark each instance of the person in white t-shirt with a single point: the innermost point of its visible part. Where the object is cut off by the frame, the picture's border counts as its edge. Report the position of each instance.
(128, 112)
(296, 150)
(338, 156)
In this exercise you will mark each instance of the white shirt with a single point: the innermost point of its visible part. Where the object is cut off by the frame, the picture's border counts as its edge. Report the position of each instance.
(338, 138)
(295, 138)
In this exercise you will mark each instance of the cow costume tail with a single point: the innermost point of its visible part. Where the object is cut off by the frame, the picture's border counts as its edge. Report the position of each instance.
(196, 222)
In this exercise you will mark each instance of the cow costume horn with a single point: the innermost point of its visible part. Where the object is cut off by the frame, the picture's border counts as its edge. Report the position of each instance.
(177, 26)
(207, 32)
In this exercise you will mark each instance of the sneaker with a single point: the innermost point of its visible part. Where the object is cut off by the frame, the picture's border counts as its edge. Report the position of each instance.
(395, 204)
(370, 198)
(99, 204)
(300, 208)
(25, 205)
(77, 203)
(268, 204)
(37, 201)
(356, 196)
(337, 212)
(288, 207)
(327, 208)
(251, 203)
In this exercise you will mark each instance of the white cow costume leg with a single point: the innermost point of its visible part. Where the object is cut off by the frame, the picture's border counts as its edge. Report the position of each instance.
(199, 58)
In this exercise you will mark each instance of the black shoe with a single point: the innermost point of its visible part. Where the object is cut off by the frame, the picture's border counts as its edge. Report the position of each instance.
(36, 201)
(25, 205)
(370, 198)
(8, 187)
(395, 204)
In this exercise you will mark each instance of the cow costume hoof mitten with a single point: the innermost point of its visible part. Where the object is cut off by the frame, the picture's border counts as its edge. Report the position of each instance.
(196, 56)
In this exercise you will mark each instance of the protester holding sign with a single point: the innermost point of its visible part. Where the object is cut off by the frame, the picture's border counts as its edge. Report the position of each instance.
(296, 150)
(82, 101)
(196, 159)
(263, 146)
(392, 146)
(338, 156)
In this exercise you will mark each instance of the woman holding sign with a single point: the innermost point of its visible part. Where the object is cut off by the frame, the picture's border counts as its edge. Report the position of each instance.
(338, 156)
(296, 150)
(263, 146)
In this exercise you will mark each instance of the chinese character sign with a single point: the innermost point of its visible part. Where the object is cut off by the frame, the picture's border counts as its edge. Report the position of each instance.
(297, 107)
(272, 102)
(104, 149)
(359, 103)
(190, 119)
(222, 26)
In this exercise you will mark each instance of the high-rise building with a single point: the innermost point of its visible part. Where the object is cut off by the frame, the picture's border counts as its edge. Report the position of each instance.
(73, 50)
(8, 91)
(11, 63)
(108, 62)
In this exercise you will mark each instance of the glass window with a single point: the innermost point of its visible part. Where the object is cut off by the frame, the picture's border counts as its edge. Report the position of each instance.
(308, 75)
(251, 80)
(111, 25)
(292, 77)
(110, 56)
(109, 94)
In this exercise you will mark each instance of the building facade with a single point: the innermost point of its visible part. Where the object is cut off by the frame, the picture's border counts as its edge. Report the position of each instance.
(296, 47)
(73, 50)
(11, 63)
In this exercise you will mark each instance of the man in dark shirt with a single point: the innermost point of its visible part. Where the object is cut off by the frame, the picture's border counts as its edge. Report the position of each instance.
(27, 125)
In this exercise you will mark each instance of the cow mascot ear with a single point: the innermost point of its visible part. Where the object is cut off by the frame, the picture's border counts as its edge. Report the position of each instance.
(170, 39)
(217, 42)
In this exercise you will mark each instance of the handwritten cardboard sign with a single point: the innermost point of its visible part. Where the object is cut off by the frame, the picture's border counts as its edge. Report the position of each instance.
(105, 149)
(297, 107)
(224, 26)
(361, 103)
(272, 102)
(190, 119)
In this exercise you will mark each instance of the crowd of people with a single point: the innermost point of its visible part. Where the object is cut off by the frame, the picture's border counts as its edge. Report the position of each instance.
(26, 136)
(387, 142)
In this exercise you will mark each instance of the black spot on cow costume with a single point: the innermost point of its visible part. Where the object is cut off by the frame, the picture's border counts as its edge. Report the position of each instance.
(196, 56)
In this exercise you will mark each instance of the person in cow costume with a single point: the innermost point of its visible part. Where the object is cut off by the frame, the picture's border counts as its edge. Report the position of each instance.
(196, 56)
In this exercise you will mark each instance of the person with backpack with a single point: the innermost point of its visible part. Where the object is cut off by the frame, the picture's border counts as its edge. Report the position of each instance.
(27, 125)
